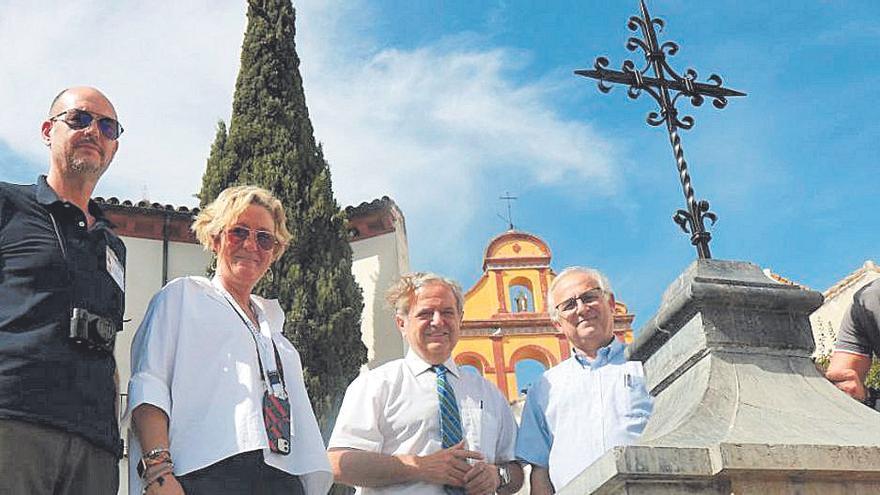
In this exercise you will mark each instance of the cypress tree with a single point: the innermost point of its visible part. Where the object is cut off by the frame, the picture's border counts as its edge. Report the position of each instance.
(270, 143)
(216, 177)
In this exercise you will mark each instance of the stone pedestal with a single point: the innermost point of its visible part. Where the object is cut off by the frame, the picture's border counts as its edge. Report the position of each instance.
(740, 407)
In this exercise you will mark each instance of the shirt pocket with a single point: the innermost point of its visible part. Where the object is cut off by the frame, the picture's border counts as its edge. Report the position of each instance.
(480, 429)
(639, 401)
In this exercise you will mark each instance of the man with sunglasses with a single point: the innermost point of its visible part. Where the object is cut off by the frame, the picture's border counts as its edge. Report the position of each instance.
(62, 279)
(589, 403)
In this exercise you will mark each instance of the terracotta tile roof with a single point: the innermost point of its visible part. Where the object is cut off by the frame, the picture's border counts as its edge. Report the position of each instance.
(867, 267)
(146, 206)
(782, 280)
(375, 205)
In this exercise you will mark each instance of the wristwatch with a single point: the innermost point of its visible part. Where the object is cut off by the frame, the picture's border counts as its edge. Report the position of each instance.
(151, 458)
(504, 474)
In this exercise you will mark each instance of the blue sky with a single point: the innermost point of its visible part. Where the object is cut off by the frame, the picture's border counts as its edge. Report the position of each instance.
(444, 106)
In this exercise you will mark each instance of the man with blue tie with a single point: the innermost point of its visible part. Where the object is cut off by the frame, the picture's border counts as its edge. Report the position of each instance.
(588, 403)
(421, 425)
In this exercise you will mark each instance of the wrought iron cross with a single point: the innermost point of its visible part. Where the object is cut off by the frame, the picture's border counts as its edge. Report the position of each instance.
(508, 198)
(666, 80)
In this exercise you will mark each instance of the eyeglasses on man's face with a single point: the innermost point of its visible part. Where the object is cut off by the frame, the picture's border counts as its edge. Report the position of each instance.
(78, 119)
(588, 298)
(265, 240)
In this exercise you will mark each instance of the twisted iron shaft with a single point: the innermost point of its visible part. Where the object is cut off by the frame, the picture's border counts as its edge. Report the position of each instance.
(699, 236)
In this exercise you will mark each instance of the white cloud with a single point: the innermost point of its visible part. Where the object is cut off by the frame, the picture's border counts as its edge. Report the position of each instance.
(168, 67)
(436, 127)
(431, 127)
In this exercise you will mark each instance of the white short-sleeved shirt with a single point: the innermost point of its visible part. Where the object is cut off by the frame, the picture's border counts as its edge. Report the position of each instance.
(195, 359)
(393, 409)
(577, 411)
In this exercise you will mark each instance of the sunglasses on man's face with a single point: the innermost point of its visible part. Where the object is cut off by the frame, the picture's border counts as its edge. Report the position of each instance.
(264, 240)
(78, 119)
(588, 298)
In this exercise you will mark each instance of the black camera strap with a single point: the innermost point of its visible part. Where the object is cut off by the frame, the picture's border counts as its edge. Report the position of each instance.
(276, 403)
(271, 372)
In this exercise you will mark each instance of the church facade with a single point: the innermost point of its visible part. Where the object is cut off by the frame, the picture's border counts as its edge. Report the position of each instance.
(507, 335)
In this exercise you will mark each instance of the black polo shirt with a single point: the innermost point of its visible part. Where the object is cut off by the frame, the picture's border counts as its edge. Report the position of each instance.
(45, 377)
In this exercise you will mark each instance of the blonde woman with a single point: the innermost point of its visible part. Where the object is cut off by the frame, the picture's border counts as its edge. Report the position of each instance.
(216, 397)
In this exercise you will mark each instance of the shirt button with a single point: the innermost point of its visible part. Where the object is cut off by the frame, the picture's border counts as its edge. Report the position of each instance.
(82, 224)
(67, 205)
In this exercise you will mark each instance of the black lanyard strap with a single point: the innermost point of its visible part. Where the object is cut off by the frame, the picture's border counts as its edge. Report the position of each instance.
(274, 376)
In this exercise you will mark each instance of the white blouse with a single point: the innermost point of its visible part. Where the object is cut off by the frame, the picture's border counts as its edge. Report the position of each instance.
(195, 359)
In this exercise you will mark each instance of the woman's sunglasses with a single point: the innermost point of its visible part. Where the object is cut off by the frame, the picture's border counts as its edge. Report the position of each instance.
(264, 240)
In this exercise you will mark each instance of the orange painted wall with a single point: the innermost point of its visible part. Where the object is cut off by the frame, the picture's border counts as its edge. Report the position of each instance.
(542, 347)
(514, 256)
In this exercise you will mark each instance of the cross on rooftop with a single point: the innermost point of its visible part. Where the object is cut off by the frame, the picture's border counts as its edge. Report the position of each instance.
(508, 198)
(665, 80)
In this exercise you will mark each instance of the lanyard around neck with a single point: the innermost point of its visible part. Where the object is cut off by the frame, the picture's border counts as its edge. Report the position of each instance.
(270, 365)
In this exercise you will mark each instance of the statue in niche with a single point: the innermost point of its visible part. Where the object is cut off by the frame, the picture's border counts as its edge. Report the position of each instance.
(522, 302)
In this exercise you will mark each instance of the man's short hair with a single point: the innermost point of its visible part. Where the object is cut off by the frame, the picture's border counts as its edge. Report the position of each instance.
(401, 295)
(598, 276)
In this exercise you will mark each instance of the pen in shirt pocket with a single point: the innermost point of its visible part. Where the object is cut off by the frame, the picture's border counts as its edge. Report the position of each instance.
(628, 380)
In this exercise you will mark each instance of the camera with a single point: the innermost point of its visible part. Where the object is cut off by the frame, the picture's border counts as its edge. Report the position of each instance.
(92, 331)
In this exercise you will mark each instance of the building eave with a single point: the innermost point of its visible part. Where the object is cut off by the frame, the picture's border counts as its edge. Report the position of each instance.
(867, 267)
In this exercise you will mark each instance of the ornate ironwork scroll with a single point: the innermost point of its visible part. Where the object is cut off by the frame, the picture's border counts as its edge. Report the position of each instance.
(661, 86)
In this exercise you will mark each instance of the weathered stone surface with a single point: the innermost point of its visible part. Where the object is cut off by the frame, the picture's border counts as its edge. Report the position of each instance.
(740, 407)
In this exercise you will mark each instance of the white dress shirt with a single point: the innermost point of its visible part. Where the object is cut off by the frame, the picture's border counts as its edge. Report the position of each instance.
(394, 409)
(194, 358)
(581, 408)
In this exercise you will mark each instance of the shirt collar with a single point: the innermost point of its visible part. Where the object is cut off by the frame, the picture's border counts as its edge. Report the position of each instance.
(219, 291)
(603, 356)
(46, 196)
(418, 365)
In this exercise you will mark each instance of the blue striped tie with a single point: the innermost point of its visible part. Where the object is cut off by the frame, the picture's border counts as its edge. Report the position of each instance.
(450, 419)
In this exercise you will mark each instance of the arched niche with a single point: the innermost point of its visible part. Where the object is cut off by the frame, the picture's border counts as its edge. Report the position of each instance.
(521, 296)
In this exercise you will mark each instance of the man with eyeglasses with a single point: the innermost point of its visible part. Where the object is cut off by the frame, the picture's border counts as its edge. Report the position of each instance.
(62, 279)
(589, 403)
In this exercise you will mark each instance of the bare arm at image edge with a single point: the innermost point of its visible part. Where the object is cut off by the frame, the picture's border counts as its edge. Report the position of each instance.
(848, 372)
(857, 339)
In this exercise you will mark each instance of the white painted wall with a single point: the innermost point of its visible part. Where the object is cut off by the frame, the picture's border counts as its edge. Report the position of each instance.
(376, 263)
